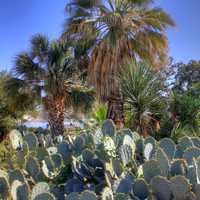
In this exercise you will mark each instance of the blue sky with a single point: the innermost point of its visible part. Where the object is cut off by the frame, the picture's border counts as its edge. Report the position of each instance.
(20, 19)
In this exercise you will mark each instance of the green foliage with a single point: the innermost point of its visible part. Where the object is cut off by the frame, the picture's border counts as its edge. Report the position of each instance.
(99, 113)
(185, 108)
(11, 113)
(142, 89)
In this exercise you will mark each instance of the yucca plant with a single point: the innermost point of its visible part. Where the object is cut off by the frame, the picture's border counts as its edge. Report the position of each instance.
(143, 91)
(124, 29)
(48, 74)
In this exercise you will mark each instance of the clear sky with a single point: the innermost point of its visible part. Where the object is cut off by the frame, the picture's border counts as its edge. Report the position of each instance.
(20, 19)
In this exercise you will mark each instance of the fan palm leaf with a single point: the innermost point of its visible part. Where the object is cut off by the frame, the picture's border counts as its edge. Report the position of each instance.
(128, 29)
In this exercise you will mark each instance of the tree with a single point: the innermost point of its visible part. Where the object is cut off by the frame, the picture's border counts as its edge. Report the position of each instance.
(122, 30)
(185, 110)
(186, 76)
(48, 74)
(143, 91)
(10, 113)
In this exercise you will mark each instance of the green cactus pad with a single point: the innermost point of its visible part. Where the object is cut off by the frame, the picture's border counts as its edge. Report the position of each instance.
(73, 196)
(41, 153)
(39, 188)
(126, 154)
(161, 188)
(180, 187)
(140, 146)
(196, 141)
(168, 146)
(48, 167)
(140, 189)
(88, 195)
(108, 128)
(45, 196)
(178, 167)
(196, 189)
(16, 175)
(192, 175)
(19, 190)
(117, 167)
(4, 188)
(32, 141)
(87, 155)
(65, 151)
(150, 140)
(57, 161)
(79, 143)
(184, 143)
(150, 169)
(148, 149)
(16, 139)
(191, 153)
(121, 196)
(162, 158)
(32, 167)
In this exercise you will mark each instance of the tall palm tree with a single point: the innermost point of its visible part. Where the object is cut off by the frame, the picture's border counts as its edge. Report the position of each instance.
(143, 91)
(124, 29)
(48, 73)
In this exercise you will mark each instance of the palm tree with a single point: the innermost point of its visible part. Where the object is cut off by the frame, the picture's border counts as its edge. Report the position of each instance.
(124, 29)
(143, 91)
(49, 75)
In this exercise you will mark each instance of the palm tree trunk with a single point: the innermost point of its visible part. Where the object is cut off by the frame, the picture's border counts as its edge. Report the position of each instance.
(116, 111)
(55, 108)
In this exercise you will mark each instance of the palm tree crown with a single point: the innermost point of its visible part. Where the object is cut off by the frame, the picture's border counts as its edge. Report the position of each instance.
(119, 30)
(123, 29)
(49, 74)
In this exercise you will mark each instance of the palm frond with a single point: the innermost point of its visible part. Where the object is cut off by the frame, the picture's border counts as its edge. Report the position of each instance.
(27, 69)
(39, 47)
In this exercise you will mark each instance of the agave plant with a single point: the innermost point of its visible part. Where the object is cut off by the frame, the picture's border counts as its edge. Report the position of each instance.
(48, 74)
(119, 30)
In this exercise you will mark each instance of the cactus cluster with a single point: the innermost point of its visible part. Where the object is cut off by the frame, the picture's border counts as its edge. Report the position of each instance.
(102, 164)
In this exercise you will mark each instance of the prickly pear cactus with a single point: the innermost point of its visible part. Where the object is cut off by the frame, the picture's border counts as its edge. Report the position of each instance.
(73, 196)
(168, 146)
(32, 167)
(88, 195)
(32, 141)
(162, 158)
(16, 139)
(140, 189)
(19, 191)
(65, 151)
(108, 128)
(191, 153)
(39, 188)
(16, 175)
(178, 167)
(150, 140)
(161, 188)
(79, 144)
(126, 154)
(45, 196)
(180, 187)
(4, 188)
(57, 161)
(150, 169)
(184, 143)
(148, 149)
(41, 153)
(196, 141)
